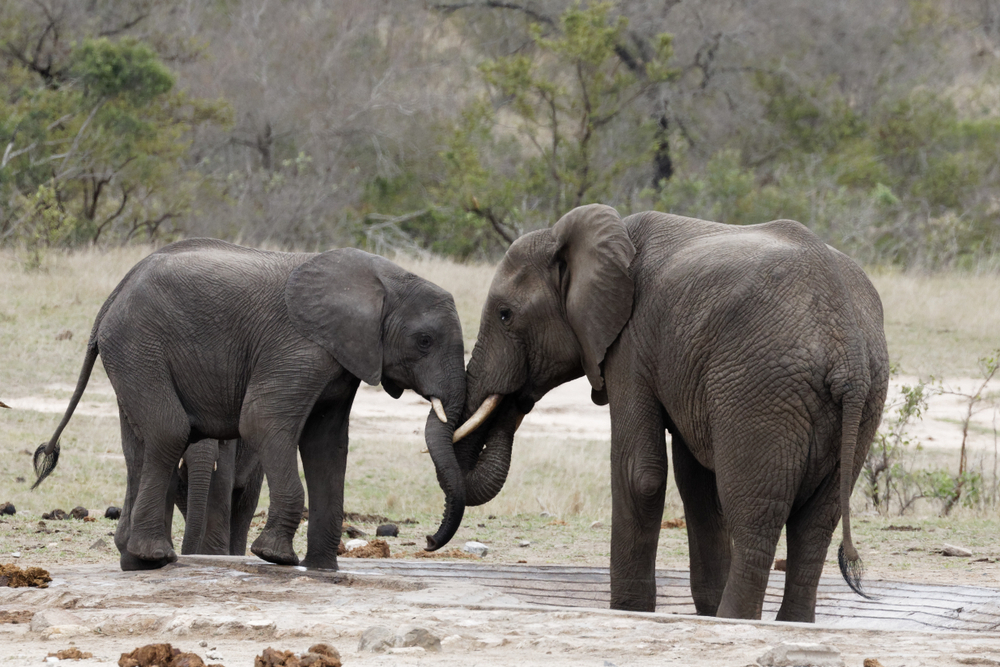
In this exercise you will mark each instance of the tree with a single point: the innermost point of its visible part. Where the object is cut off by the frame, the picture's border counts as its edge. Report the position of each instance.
(555, 128)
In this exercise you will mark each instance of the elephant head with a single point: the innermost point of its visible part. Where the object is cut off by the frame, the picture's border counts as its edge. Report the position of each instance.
(557, 302)
(386, 325)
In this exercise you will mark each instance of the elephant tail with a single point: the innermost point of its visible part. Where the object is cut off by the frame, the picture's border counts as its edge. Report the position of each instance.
(47, 455)
(848, 558)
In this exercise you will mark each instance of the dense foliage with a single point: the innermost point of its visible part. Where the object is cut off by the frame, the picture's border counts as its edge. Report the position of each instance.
(455, 126)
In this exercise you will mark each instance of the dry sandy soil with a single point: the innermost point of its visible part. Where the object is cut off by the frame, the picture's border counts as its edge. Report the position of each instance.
(228, 612)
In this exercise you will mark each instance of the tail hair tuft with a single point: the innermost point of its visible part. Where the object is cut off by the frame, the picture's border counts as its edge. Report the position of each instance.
(45, 463)
(853, 571)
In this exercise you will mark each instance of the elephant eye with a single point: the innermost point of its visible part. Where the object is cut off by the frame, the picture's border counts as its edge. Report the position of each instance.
(506, 315)
(424, 342)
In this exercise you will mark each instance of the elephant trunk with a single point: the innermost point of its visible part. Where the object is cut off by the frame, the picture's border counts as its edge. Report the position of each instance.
(199, 460)
(491, 454)
(438, 437)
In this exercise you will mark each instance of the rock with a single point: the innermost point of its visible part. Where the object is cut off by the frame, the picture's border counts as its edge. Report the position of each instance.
(79, 512)
(596, 525)
(7, 508)
(524, 543)
(377, 639)
(872, 662)
(65, 631)
(387, 530)
(952, 550)
(99, 544)
(476, 548)
(351, 545)
(48, 618)
(795, 654)
(15, 554)
(409, 635)
(354, 533)
(113, 513)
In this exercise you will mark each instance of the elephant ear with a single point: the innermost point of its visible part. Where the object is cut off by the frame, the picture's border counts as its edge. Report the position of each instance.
(336, 300)
(596, 285)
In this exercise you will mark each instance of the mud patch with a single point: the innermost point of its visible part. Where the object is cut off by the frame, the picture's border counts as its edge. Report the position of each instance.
(15, 617)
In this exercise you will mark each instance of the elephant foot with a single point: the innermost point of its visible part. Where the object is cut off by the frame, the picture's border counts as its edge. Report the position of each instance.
(314, 562)
(130, 563)
(154, 550)
(273, 550)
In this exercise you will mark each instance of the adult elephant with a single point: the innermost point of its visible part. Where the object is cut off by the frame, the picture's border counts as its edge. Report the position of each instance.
(216, 488)
(760, 349)
(205, 339)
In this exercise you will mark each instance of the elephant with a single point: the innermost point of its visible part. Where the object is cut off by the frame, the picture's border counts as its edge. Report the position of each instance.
(760, 349)
(206, 339)
(216, 487)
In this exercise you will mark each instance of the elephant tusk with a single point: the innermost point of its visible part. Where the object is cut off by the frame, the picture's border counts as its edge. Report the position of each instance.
(488, 406)
(439, 409)
(215, 466)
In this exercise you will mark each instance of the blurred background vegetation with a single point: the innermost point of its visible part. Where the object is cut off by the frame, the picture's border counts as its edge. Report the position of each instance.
(453, 126)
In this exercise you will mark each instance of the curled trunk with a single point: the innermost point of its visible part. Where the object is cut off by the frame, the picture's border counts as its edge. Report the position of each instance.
(437, 436)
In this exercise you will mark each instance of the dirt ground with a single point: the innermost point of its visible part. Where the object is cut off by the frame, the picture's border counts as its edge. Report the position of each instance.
(228, 615)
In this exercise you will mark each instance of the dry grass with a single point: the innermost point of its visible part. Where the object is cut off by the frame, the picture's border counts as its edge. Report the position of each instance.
(935, 324)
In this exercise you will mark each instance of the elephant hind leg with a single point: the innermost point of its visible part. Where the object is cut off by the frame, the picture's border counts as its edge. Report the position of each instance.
(709, 544)
(809, 532)
(133, 448)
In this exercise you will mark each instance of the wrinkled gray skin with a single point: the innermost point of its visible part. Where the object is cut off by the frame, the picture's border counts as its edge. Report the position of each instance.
(216, 489)
(759, 348)
(205, 339)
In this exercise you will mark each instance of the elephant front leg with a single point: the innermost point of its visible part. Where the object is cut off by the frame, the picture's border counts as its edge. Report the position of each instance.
(638, 487)
(323, 447)
(709, 545)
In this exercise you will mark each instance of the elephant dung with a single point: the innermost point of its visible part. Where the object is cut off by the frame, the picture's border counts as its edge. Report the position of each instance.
(319, 655)
(71, 654)
(55, 515)
(796, 654)
(160, 655)
(373, 549)
(7, 508)
(79, 512)
(14, 577)
(113, 513)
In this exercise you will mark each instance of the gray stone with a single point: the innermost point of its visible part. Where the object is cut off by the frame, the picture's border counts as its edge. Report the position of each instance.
(377, 639)
(524, 543)
(48, 618)
(952, 550)
(410, 635)
(351, 545)
(476, 548)
(795, 654)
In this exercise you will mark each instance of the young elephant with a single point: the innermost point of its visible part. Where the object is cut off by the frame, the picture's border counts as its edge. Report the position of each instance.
(205, 339)
(759, 348)
(216, 488)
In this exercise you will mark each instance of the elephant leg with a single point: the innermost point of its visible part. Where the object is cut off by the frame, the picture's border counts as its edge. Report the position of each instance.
(709, 544)
(133, 448)
(274, 438)
(150, 536)
(809, 532)
(324, 456)
(638, 487)
(244, 505)
(756, 502)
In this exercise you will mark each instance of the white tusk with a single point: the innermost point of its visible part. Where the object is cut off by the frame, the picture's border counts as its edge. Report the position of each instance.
(180, 464)
(439, 409)
(215, 466)
(488, 406)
